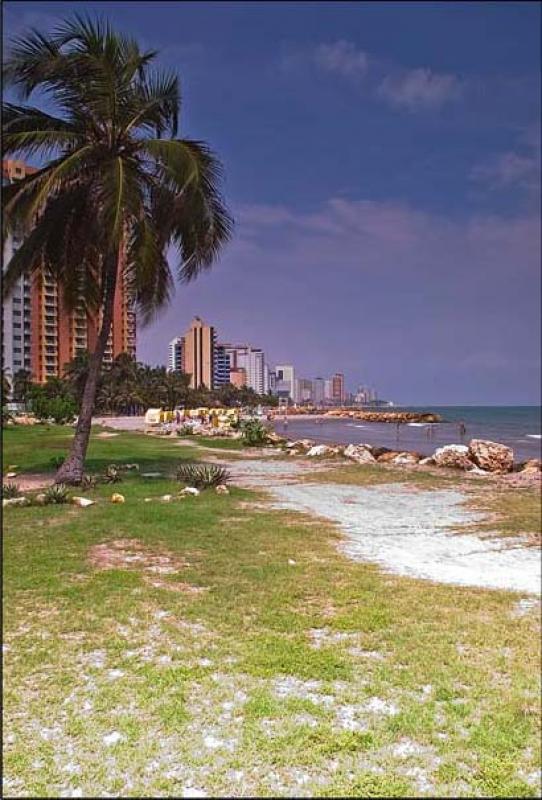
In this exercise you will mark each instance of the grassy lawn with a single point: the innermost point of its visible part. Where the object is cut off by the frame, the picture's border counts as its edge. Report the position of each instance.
(262, 662)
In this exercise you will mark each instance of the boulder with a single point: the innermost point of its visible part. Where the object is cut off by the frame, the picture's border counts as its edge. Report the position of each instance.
(360, 453)
(83, 502)
(428, 461)
(453, 455)
(388, 456)
(474, 470)
(532, 466)
(491, 456)
(300, 444)
(40, 499)
(117, 498)
(15, 501)
(222, 489)
(167, 498)
(407, 458)
(320, 450)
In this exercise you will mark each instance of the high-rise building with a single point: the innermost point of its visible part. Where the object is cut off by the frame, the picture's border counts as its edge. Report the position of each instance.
(222, 366)
(199, 354)
(285, 383)
(252, 360)
(16, 309)
(238, 377)
(175, 355)
(318, 389)
(337, 388)
(39, 333)
(328, 390)
(304, 391)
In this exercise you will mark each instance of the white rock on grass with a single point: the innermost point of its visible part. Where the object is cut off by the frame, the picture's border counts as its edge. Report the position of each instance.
(360, 453)
(112, 738)
(320, 450)
(82, 502)
(190, 491)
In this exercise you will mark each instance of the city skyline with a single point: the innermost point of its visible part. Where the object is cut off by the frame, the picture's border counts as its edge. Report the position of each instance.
(411, 246)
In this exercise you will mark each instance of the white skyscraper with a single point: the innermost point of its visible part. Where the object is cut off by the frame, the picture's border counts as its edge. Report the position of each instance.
(16, 346)
(175, 359)
(285, 381)
(252, 360)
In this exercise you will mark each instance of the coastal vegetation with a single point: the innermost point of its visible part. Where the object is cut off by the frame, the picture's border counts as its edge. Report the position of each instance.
(259, 660)
(116, 184)
(125, 386)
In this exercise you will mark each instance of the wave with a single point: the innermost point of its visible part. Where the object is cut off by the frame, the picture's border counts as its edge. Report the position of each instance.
(533, 435)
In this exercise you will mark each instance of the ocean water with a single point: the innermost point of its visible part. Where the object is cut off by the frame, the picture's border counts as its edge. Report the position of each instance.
(519, 427)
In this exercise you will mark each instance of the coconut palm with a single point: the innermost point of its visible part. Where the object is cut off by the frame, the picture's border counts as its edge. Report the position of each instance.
(118, 185)
(22, 382)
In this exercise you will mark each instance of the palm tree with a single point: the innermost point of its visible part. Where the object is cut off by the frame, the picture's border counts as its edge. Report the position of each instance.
(76, 374)
(118, 186)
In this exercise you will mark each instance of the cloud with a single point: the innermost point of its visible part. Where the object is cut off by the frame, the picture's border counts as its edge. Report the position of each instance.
(342, 58)
(519, 168)
(418, 89)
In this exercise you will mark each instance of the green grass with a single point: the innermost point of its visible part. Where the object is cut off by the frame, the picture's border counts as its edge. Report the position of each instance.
(236, 664)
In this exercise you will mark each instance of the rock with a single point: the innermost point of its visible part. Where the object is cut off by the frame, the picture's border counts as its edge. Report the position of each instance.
(300, 444)
(132, 467)
(117, 498)
(534, 465)
(474, 470)
(407, 458)
(221, 489)
(387, 457)
(40, 499)
(152, 474)
(359, 453)
(15, 501)
(491, 456)
(11, 474)
(428, 461)
(83, 502)
(291, 562)
(453, 455)
(320, 450)
(190, 490)
(167, 498)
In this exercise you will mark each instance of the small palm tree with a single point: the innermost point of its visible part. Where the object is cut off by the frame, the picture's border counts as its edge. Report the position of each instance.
(118, 186)
(22, 383)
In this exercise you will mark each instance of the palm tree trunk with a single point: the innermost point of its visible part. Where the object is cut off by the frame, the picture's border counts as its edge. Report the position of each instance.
(71, 471)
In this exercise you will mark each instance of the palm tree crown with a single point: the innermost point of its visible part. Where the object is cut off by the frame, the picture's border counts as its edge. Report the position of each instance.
(117, 174)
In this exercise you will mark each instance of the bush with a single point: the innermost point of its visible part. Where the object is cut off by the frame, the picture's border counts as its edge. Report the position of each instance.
(56, 494)
(203, 476)
(61, 409)
(57, 461)
(112, 475)
(88, 482)
(10, 490)
(254, 433)
(186, 430)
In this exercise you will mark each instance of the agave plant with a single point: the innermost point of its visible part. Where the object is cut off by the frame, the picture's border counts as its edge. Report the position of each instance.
(88, 481)
(203, 476)
(254, 433)
(10, 490)
(56, 494)
(112, 474)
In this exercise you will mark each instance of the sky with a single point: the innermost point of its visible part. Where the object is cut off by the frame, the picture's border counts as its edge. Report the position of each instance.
(382, 163)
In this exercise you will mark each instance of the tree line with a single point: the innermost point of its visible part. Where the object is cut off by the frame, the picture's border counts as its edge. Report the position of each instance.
(127, 387)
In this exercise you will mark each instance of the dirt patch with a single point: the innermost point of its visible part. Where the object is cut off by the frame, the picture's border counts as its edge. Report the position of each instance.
(37, 480)
(106, 435)
(132, 554)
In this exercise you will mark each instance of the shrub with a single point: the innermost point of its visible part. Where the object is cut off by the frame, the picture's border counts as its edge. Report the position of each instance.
(10, 490)
(254, 433)
(7, 417)
(88, 482)
(185, 430)
(56, 494)
(111, 475)
(203, 476)
(61, 409)
(57, 461)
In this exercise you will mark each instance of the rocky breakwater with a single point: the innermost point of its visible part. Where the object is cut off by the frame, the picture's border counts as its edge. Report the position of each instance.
(384, 416)
(480, 457)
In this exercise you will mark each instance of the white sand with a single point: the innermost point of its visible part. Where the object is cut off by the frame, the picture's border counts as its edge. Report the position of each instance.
(410, 533)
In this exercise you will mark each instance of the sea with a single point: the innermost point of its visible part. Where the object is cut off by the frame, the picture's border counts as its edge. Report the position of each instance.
(519, 427)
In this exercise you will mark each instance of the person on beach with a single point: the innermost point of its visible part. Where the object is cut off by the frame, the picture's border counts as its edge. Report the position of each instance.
(285, 422)
(398, 429)
(462, 429)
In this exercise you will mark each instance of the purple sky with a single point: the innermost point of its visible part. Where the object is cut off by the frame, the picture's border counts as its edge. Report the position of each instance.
(382, 163)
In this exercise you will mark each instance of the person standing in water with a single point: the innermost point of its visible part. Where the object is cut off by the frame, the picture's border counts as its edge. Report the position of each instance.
(462, 429)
